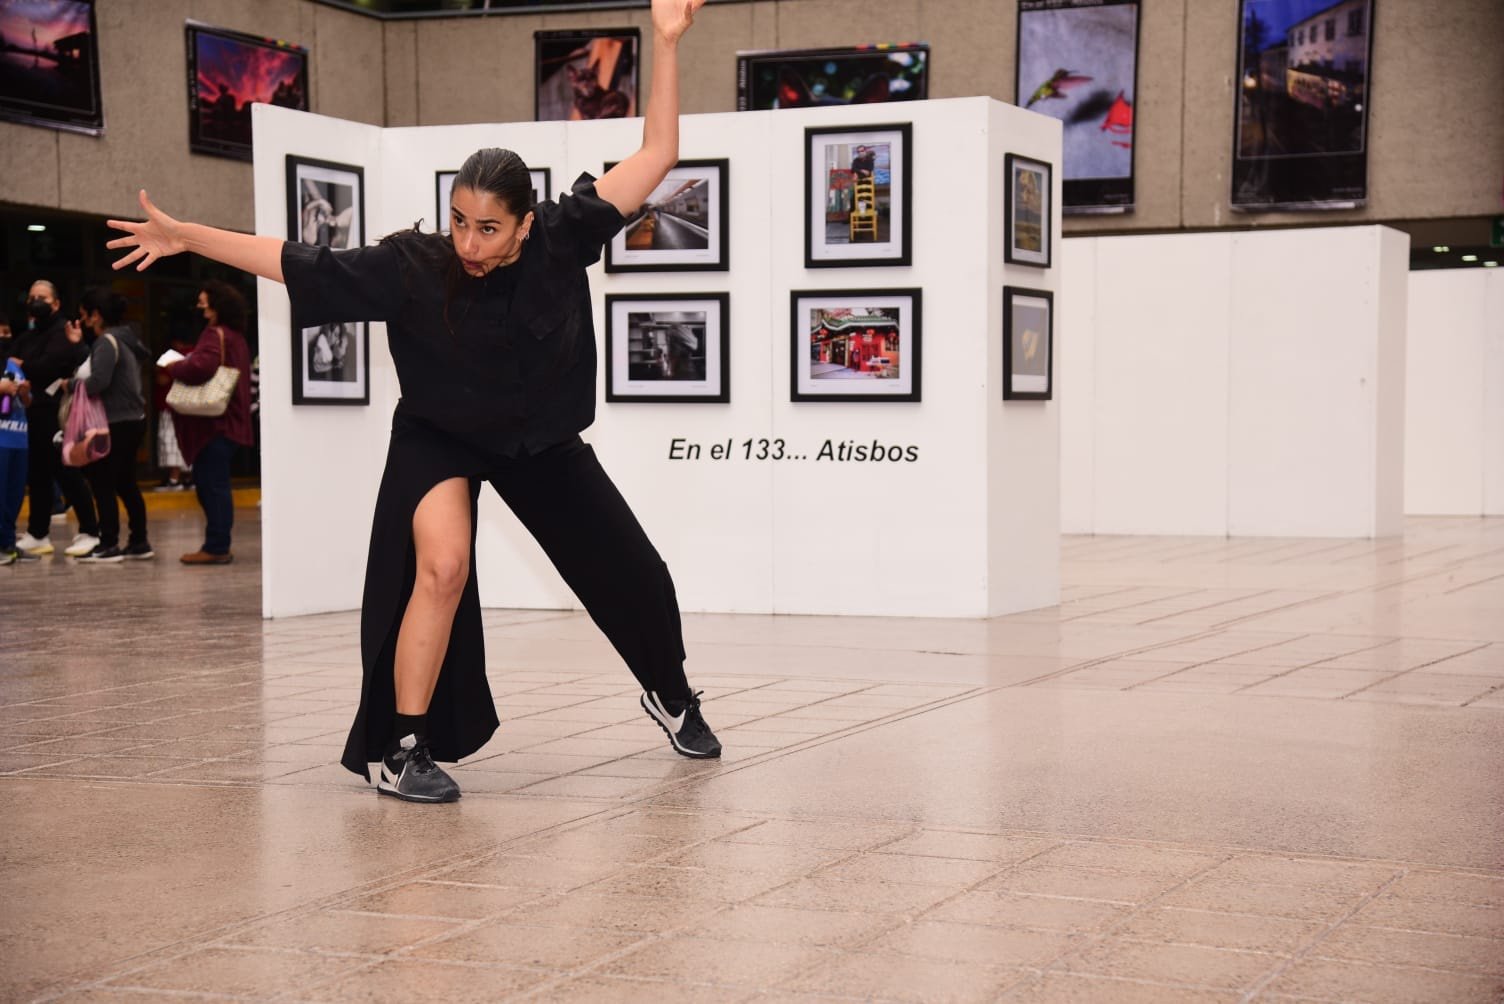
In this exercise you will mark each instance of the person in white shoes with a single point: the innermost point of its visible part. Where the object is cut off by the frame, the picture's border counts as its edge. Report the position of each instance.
(491, 332)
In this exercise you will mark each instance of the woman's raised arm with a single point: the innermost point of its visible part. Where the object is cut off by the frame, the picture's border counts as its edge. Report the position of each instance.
(161, 235)
(628, 185)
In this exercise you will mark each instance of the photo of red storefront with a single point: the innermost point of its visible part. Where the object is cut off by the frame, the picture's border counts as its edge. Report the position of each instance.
(846, 344)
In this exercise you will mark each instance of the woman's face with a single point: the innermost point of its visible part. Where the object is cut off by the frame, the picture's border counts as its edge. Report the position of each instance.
(485, 233)
(204, 308)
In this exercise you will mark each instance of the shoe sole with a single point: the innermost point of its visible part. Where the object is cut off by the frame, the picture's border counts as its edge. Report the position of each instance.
(141, 557)
(382, 788)
(672, 741)
(86, 560)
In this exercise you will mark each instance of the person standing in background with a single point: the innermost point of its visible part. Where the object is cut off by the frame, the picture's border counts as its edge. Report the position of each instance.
(50, 352)
(15, 395)
(115, 379)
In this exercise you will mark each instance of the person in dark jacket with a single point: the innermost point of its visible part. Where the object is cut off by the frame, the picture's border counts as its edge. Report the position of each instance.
(209, 443)
(50, 352)
(115, 380)
(491, 333)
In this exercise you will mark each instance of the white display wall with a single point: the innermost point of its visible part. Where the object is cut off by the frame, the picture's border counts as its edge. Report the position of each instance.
(1235, 383)
(968, 529)
(1454, 383)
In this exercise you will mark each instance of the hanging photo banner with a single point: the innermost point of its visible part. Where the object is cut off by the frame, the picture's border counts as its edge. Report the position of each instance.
(227, 73)
(1301, 138)
(49, 65)
(1078, 62)
(812, 78)
(585, 74)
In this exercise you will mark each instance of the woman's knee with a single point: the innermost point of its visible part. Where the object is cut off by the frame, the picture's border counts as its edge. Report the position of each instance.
(442, 573)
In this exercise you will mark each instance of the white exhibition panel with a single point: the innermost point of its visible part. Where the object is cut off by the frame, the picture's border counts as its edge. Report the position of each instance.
(1454, 414)
(1235, 387)
(971, 528)
(1075, 383)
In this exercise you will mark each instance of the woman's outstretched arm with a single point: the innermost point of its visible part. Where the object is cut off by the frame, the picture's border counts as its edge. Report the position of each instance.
(161, 235)
(628, 185)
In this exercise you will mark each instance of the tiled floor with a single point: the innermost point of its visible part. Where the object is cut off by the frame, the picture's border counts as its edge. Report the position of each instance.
(1221, 770)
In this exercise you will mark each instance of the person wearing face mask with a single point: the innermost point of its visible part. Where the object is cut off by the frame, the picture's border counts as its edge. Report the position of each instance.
(209, 443)
(115, 380)
(491, 332)
(50, 352)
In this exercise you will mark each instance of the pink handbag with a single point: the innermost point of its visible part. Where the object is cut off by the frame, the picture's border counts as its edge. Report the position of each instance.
(86, 437)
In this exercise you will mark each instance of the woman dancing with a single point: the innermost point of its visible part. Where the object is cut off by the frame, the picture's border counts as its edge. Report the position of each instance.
(491, 332)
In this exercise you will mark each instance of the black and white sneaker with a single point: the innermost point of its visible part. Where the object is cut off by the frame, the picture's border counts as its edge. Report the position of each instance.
(682, 722)
(103, 555)
(410, 774)
(139, 552)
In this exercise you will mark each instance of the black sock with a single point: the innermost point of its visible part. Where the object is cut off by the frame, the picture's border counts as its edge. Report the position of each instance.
(404, 726)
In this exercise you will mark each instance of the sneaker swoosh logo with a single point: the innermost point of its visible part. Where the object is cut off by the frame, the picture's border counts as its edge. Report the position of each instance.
(678, 722)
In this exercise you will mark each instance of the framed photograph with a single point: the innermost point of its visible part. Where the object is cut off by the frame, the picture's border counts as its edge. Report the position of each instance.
(856, 195)
(49, 65)
(681, 228)
(227, 73)
(811, 78)
(1028, 344)
(1026, 211)
(855, 345)
(1078, 62)
(585, 74)
(326, 207)
(1301, 123)
(668, 347)
(444, 184)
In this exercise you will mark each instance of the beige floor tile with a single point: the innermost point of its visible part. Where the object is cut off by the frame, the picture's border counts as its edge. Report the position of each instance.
(900, 978)
(844, 834)
(1463, 953)
(951, 873)
(623, 990)
(1187, 964)
(547, 873)
(453, 900)
(1352, 981)
(417, 980)
(644, 914)
(1276, 935)
(786, 860)
(1081, 883)
(713, 885)
(1450, 887)
(1080, 988)
(787, 926)
(341, 931)
(971, 846)
(1357, 878)
(734, 963)
(1006, 909)
(250, 972)
(1434, 917)
(587, 844)
(828, 894)
(974, 944)
(577, 786)
(1428, 688)
(510, 942)
(1129, 859)
(1295, 902)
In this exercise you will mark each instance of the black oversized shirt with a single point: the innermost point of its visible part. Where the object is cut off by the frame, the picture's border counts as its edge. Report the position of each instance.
(504, 362)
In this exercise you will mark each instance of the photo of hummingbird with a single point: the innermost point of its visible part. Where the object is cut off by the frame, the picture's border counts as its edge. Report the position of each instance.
(1057, 86)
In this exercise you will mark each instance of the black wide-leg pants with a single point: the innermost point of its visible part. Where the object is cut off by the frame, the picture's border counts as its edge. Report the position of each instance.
(567, 502)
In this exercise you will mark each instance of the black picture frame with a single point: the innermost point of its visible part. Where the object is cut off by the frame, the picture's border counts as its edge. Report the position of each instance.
(326, 207)
(644, 345)
(810, 78)
(836, 193)
(1021, 379)
(1027, 218)
(220, 125)
(897, 342)
(443, 183)
(1077, 61)
(60, 89)
(698, 215)
(1300, 170)
(560, 58)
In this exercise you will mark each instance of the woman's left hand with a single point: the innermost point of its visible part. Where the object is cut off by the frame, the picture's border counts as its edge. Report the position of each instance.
(672, 18)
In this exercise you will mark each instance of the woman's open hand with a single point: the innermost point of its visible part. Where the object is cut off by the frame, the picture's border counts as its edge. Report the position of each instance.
(158, 237)
(672, 18)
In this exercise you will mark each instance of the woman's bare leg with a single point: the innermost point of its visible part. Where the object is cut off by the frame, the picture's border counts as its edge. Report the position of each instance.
(441, 536)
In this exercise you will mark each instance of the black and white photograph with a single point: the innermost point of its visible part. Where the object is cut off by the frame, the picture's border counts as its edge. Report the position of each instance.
(1028, 344)
(668, 348)
(856, 195)
(326, 208)
(1027, 188)
(443, 183)
(583, 74)
(1302, 104)
(855, 345)
(228, 72)
(1078, 62)
(49, 65)
(681, 228)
